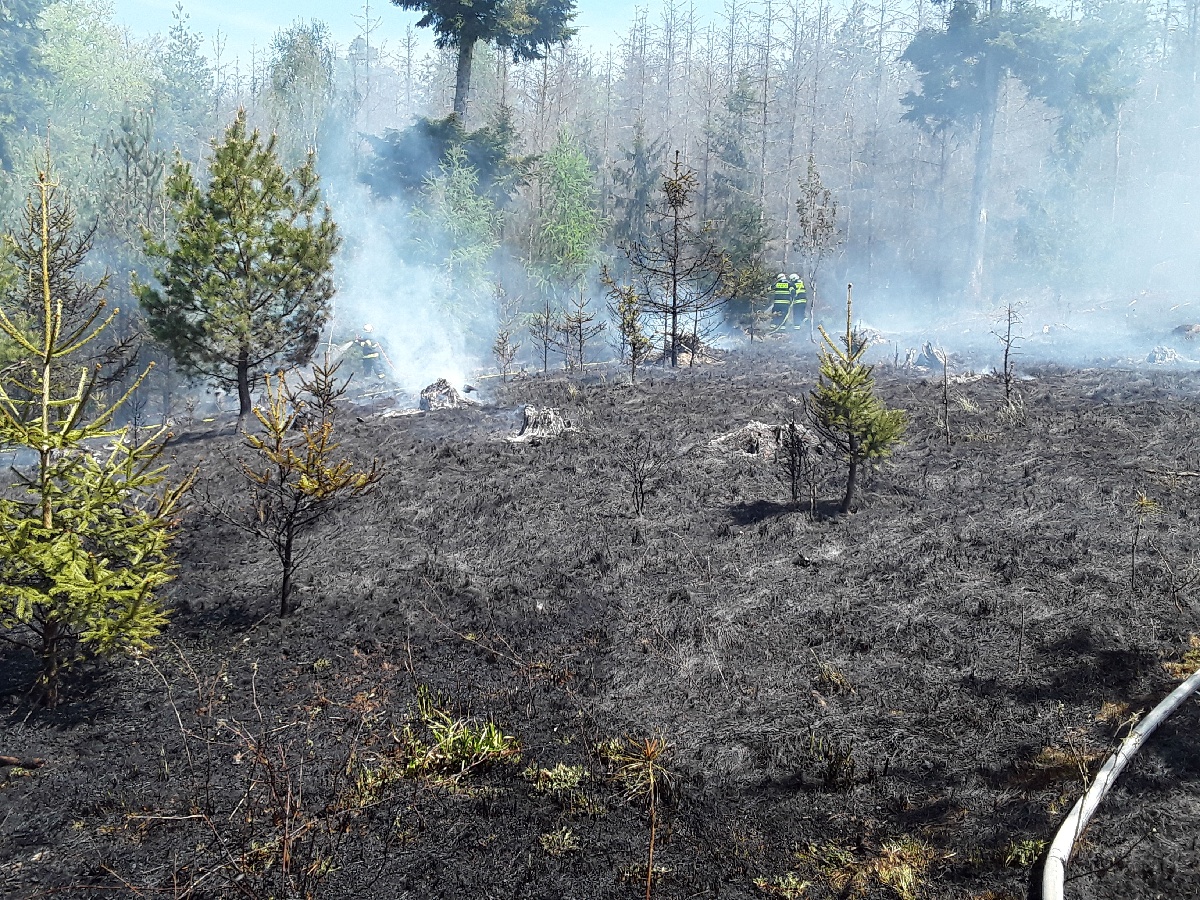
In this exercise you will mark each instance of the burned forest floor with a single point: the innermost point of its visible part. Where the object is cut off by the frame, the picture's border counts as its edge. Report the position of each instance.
(501, 682)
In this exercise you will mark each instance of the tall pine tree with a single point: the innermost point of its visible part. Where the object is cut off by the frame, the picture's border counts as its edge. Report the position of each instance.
(524, 28)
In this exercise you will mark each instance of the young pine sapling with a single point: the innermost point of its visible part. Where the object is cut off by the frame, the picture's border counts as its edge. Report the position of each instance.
(641, 768)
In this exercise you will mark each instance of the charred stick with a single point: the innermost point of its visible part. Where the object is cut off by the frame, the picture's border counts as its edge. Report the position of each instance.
(18, 762)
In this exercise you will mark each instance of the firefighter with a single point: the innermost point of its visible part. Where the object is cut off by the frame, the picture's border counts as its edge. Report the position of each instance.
(781, 299)
(369, 352)
(799, 300)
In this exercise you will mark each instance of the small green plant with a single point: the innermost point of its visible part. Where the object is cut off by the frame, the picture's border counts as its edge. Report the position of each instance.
(901, 865)
(559, 779)
(1024, 853)
(458, 745)
(788, 887)
(560, 841)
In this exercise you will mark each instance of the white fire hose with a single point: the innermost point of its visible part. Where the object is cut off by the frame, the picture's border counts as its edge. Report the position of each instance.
(1083, 810)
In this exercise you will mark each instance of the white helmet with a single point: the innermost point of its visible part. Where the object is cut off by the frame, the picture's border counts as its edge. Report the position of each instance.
(368, 328)
(782, 277)
(793, 277)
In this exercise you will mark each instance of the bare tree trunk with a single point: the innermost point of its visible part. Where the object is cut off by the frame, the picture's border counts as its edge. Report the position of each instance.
(983, 169)
(943, 169)
(285, 587)
(462, 79)
(789, 206)
(51, 662)
(243, 384)
(851, 475)
(768, 28)
(1112, 216)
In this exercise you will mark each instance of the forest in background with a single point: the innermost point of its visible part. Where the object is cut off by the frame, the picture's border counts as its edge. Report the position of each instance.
(1071, 127)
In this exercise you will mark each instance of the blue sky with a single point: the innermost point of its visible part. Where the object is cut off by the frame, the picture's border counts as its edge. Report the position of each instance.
(246, 24)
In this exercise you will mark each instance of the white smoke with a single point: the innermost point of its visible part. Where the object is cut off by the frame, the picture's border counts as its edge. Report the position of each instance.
(405, 303)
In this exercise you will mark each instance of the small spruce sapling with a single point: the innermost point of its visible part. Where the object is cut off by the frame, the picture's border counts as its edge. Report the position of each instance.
(626, 308)
(844, 409)
(295, 481)
(542, 328)
(505, 349)
(575, 330)
(84, 553)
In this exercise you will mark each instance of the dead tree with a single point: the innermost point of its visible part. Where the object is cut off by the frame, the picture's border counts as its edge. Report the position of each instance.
(576, 328)
(642, 460)
(682, 277)
(795, 461)
(816, 211)
(1008, 318)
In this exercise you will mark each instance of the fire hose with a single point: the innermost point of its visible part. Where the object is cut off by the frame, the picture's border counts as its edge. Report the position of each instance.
(1081, 813)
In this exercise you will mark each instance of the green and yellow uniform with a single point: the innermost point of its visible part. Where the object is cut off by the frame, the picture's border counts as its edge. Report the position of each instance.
(781, 300)
(799, 303)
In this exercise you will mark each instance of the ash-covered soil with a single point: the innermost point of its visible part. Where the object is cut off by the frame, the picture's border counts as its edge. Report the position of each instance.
(927, 681)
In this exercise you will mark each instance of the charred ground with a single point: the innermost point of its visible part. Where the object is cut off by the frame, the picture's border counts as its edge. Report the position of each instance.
(943, 666)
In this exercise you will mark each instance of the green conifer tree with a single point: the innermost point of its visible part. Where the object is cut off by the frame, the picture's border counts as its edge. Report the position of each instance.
(248, 277)
(844, 408)
(84, 536)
